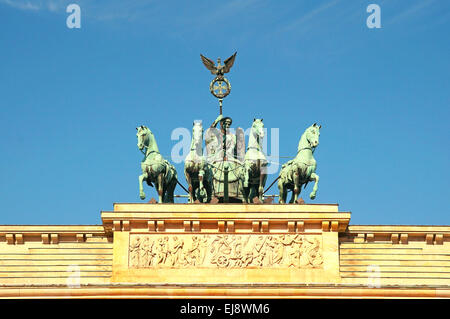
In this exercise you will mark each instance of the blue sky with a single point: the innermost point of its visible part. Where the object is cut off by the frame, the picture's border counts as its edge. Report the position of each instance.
(70, 99)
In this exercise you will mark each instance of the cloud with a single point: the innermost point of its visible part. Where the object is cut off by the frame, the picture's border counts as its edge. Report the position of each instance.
(55, 6)
(108, 10)
(39, 5)
(306, 18)
(144, 10)
(411, 12)
(22, 4)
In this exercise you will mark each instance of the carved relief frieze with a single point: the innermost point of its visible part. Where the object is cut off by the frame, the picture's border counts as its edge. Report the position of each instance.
(225, 251)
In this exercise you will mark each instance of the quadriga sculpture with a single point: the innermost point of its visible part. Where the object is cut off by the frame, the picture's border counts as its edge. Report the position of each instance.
(197, 170)
(302, 169)
(155, 169)
(255, 163)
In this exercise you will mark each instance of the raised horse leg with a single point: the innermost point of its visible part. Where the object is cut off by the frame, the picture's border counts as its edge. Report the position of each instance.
(314, 177)
(142, 177)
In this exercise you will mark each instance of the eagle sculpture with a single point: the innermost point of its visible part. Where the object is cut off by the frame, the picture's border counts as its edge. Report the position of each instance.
(219, 70)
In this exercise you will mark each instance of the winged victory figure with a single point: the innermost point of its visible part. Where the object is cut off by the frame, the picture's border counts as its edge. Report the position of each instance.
(219, 70)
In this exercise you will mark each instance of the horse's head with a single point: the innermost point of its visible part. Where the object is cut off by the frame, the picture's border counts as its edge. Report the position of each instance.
(312, 134)
(197, 133)
(142, 136)
(258, 128)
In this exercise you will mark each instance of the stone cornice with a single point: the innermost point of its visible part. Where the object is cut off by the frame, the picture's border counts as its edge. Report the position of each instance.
(49, 234)
(225, 218)
(398, 233)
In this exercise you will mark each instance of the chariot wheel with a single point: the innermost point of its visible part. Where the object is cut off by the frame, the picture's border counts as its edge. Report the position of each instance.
(222, 261)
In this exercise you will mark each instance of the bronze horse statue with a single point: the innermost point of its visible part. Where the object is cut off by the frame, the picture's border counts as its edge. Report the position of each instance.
(302, 169)
(197, 170)
(255, 163)
(155, 169)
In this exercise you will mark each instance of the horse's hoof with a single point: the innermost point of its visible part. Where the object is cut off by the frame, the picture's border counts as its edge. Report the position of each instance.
(142, 196)
(256, 200)
(312, 196)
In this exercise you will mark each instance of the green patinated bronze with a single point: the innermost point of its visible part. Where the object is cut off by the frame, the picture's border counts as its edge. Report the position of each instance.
(155, 169)
(220, 87)
(302, 169)
(220, 69)
(226, 165)
(223, 153)
(229, 171)
(255, 163)
(197, 170)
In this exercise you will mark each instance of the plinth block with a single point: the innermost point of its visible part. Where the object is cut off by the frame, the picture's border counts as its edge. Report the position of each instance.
(225, 243)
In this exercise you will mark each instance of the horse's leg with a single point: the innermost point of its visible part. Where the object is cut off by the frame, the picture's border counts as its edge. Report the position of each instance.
(262, 181)
(208, 185)
(201, 185)
(314, 177)
(171, 190)
(246, 174)
(282, 192)
(160, 187)
(245, 186)
(296, 190)
(168, 191)
(292, 197)
(245, 190)
(189, 182)
(251, 192)
(142, 177)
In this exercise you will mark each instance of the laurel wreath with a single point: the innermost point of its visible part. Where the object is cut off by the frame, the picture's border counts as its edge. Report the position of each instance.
(218, 95)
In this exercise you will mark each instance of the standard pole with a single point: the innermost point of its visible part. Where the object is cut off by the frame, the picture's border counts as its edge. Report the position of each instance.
(225, 184)
(225, 168)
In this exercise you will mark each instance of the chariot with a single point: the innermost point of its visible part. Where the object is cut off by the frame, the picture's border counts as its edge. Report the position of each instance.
(225, 154)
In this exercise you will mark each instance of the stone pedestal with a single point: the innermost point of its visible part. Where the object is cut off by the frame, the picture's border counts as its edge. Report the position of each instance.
(225, 245)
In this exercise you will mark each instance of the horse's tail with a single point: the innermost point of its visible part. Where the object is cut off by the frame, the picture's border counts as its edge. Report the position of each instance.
(170, 169)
